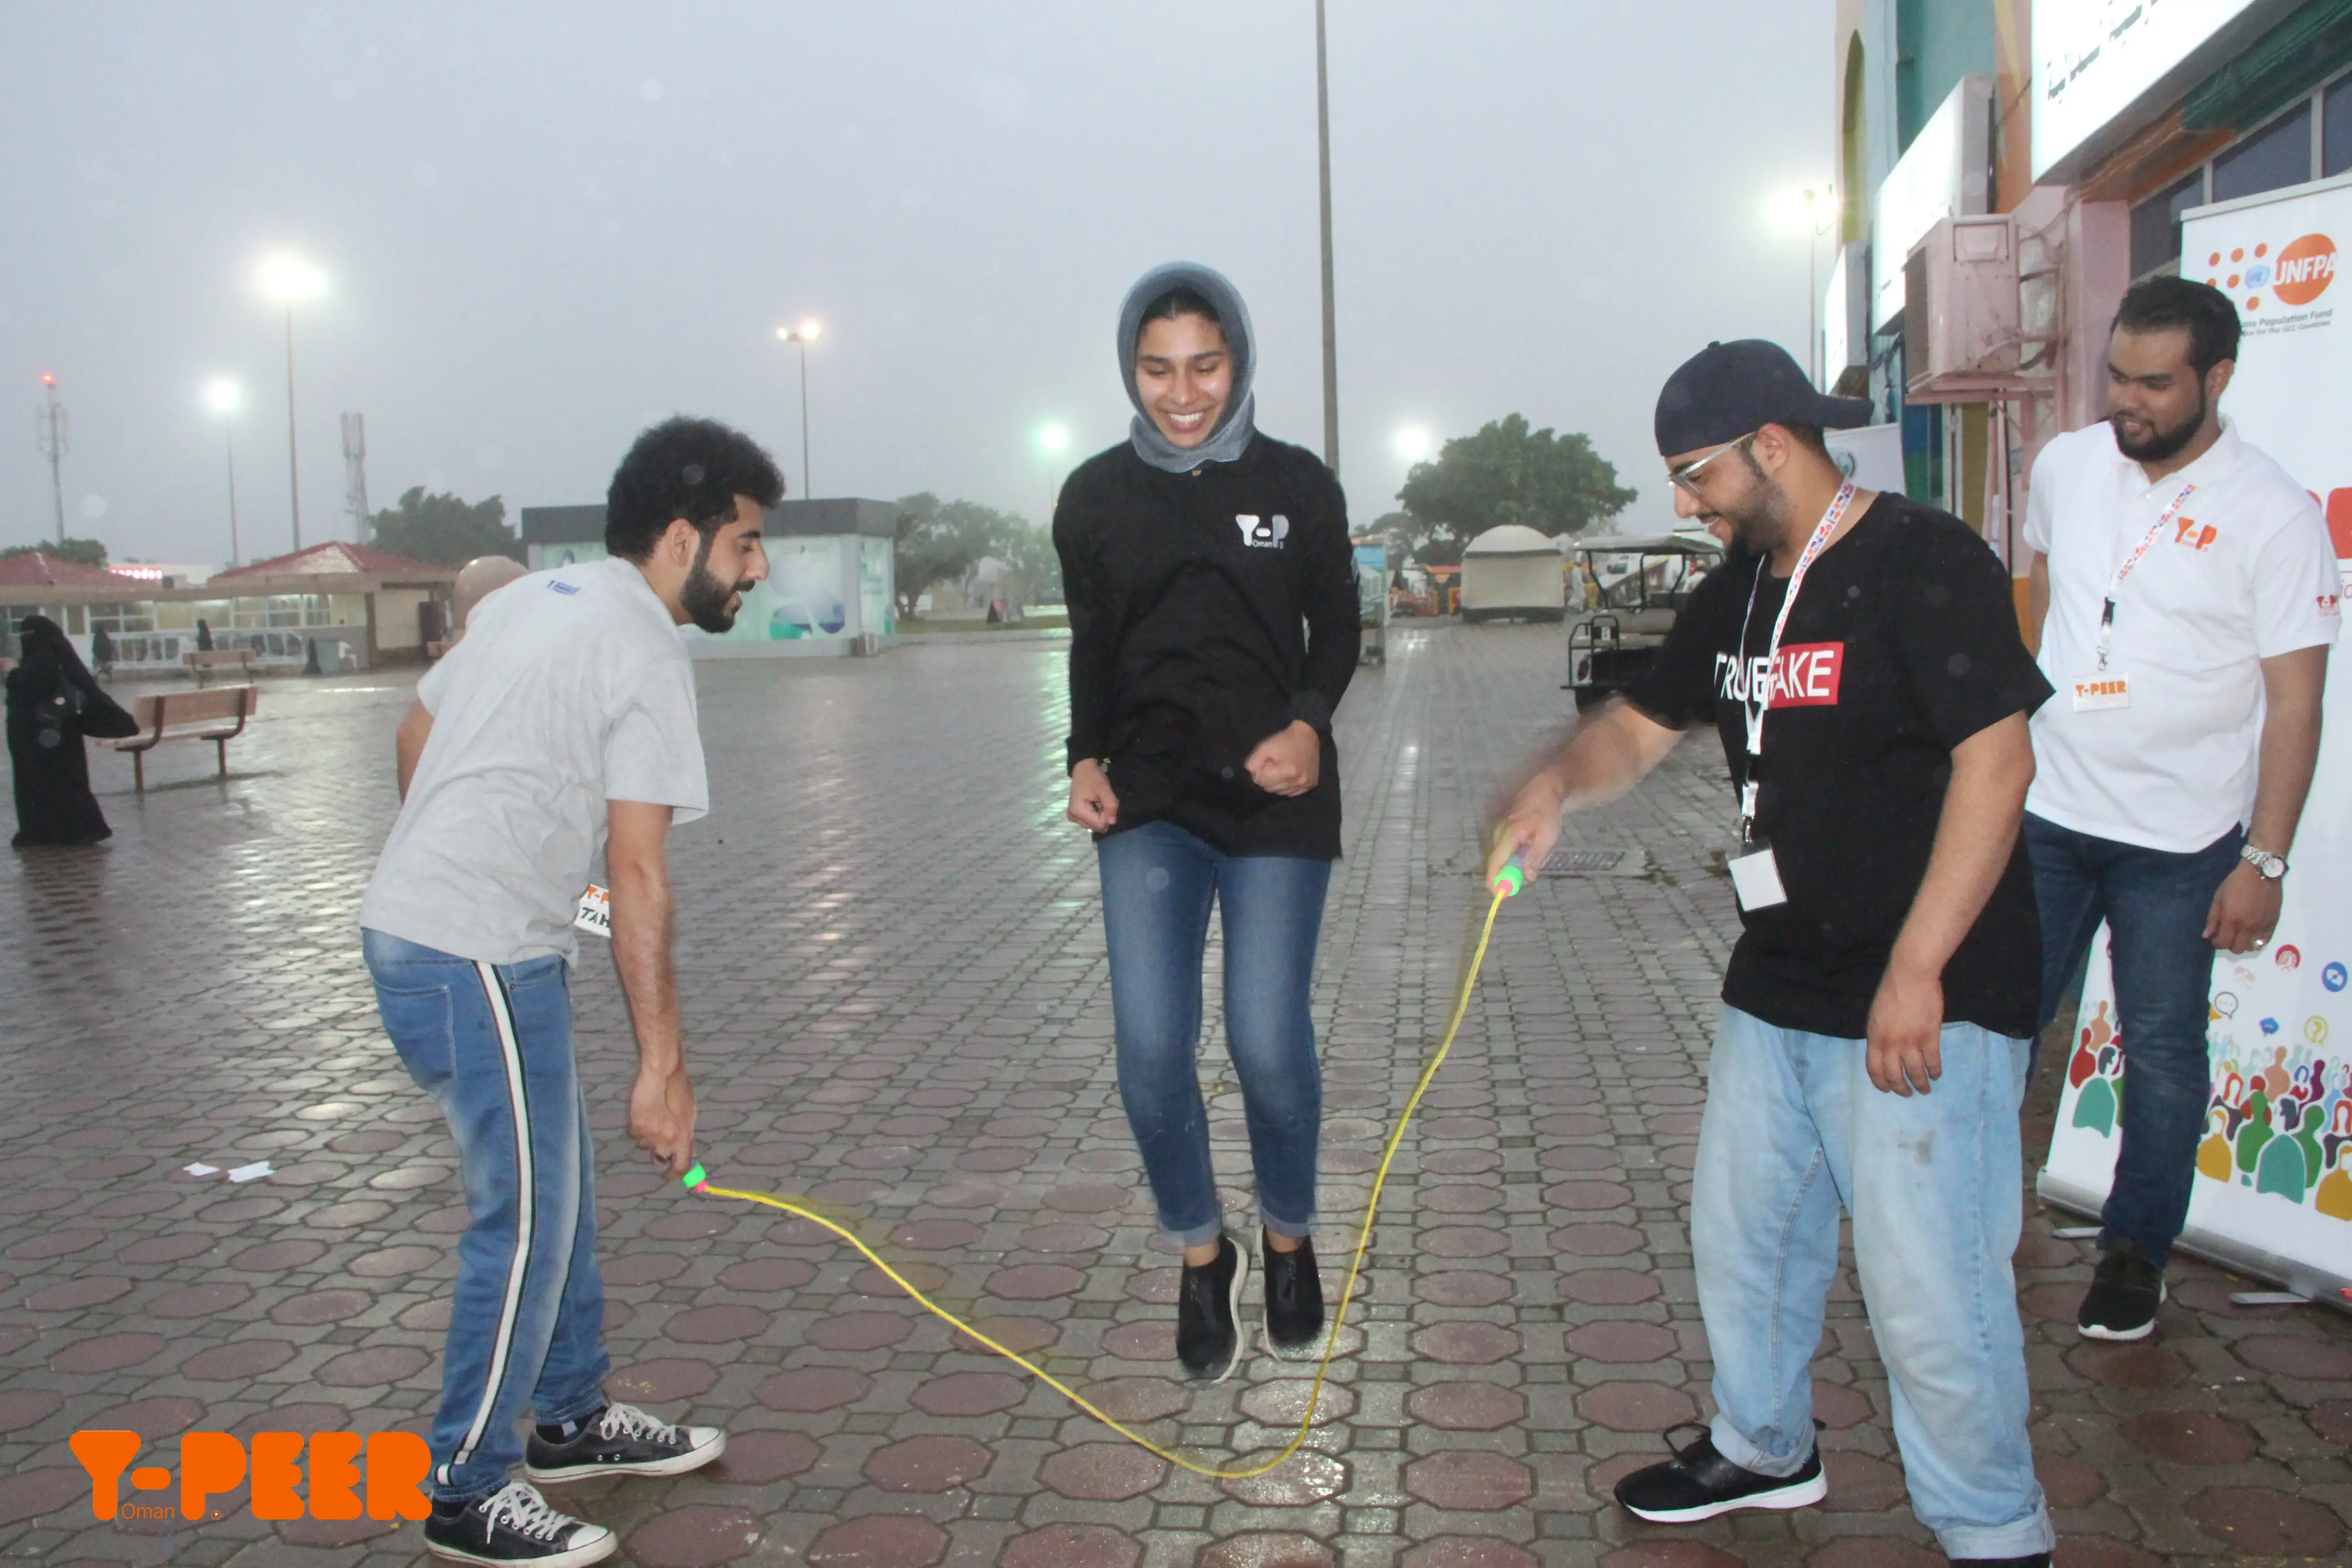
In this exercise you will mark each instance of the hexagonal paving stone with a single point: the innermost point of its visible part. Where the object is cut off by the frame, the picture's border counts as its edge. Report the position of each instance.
(720, 1325)
(1103, 1472)
(1609, 1287)
(860, 1330)
(1466, 1407)
(378, 1367)
(1467, 1551)
(89, 1290)
(2142, 1364)
(927, 1464)
(1875, 1551)
(1261, 1549)
(1282, 1402)
(755, 1459)
(1469, 1482)
(1035, 1282)
(810, 1389)
(107, 1353)
(1304, 1478)
(2303, 1356)
(1071, 1546)
(2258, 1521)
(236, 1361)
(879, 1541)
(1635, 1407)
(1466, 1345)
(694, 1536)
(1617, 1340)
(1671, 1554)
(970, 1394)
(1861, 1483)
(764, 1276)
(22, 1407)
(2190, 1436)
(1461, 1288)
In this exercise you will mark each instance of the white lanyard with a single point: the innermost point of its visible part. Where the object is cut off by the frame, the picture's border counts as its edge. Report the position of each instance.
(2115, 587)
(1750, 706)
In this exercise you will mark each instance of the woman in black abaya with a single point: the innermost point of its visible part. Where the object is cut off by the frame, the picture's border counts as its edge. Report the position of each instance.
(53, 702)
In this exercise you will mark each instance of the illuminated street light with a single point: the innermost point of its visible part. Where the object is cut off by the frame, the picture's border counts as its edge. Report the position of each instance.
(1802, 210)
(223, 397)
(289, 279)
(1054, 438)
(1414, 444)
(803, 335)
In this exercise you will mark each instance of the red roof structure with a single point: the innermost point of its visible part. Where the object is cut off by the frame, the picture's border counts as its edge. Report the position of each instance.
(40, 570)
(337, 559)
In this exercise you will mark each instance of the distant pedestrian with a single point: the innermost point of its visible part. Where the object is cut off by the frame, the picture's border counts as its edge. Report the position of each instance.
(53, 702)
(101, 650)
(204, 636)
(1212, 590)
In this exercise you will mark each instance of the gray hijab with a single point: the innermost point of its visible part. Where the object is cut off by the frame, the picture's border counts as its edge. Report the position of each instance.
(1237, 425)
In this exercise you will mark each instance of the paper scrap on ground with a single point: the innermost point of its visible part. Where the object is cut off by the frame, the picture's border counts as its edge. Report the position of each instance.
(252, 1172)
(203, 1170)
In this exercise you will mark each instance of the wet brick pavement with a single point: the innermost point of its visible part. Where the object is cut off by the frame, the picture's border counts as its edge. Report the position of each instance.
(895, 986)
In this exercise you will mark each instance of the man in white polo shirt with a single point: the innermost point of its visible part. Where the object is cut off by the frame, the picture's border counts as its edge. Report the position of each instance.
(563, 725)
(2187, 593)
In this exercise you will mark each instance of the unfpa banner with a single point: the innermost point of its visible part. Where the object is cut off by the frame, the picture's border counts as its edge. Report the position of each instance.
(2273, 1189)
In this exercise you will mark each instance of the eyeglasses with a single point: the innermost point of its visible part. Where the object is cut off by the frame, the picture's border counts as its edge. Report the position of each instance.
(1686, 475)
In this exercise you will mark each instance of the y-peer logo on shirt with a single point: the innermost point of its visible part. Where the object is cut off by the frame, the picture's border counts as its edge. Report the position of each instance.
(1262, 532)
(1806, 677)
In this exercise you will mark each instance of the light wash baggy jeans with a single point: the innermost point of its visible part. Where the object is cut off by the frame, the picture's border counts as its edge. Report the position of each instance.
(1793, 1130)
(492, 1045)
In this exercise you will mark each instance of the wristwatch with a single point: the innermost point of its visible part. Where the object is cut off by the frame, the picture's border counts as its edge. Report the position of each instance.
(2269, 868)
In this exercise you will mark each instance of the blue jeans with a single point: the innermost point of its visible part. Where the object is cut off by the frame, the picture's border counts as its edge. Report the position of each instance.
(492, 1044)
(1158, 881)
(2155, 903)
(1793, 1129)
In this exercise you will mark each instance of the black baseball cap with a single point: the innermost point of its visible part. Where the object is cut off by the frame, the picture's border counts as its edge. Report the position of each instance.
(1729, 390)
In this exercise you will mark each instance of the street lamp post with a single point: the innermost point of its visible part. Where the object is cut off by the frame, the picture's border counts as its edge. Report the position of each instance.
(1052, 440)
(286, 280)
(223, 397)
(803, 335)
(1804, 208)
(53, 433)
(1330, 315)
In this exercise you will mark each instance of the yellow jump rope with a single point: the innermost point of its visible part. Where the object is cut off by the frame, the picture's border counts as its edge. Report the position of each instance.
(1507, 881)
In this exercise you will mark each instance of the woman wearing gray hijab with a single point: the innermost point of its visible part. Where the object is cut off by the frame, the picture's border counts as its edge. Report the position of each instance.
(1214, 628)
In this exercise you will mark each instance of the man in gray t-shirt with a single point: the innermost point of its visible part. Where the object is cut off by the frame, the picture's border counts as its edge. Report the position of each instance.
(563, 724)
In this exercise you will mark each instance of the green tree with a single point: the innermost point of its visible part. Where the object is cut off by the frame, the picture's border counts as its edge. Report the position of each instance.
(445, 529)
(1506, 473)
(86, 551)
(938, 541)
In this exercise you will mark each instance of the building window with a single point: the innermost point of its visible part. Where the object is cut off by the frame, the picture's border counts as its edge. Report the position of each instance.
(2155, 224)
(2335, 134)
(2276, 156)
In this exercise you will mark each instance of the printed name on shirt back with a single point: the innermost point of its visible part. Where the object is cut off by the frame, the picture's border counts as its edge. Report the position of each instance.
(1807, 675)
(595, 916)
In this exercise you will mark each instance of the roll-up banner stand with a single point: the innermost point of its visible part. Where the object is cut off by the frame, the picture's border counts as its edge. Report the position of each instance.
(2273, 1194)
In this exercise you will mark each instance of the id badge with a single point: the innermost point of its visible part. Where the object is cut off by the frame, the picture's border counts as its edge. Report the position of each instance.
(595, 916)
(2107, 688)
(1756, 877)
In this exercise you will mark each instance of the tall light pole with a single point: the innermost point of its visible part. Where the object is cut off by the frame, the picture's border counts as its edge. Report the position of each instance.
(287, 280)
(803, 335)
(1053, 440)
(53, 434)
(1804, 208)
(1330, 317)
(223, 397)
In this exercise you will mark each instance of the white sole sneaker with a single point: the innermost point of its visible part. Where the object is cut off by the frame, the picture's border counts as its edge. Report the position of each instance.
(2101, 1332)
(1801, 1494)
(675, 1465)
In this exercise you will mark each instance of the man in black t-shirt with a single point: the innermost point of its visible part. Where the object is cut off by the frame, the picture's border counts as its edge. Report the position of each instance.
(1860, 658)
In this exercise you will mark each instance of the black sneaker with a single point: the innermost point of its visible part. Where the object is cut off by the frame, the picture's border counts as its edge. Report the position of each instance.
(1293, 1298)
(2124, 1295)
(621, 1440)
(514, 1525)
(1208, 1313)
(1698, 1483)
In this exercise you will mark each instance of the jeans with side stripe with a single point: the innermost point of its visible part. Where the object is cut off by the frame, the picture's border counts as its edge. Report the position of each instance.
(492, 1045)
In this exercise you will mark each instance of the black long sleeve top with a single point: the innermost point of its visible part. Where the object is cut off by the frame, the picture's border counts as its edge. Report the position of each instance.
(1208, 610)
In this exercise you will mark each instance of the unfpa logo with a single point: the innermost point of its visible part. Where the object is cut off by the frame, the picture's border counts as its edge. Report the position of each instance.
(391, 1465)
(2297, 275)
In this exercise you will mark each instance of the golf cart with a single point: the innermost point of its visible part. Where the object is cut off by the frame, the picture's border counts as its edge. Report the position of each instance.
(1633, 587)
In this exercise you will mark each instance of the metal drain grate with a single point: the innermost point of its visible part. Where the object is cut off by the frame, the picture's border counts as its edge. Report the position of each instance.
(1585, 862)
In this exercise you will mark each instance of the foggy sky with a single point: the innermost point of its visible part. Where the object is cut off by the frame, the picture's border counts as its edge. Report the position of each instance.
(546, 225)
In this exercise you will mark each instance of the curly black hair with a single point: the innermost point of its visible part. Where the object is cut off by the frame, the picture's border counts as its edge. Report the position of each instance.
(686, 467)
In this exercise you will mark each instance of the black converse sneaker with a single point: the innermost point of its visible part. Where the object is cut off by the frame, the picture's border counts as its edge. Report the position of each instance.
(619, 1440)
(1293, 1298)
(514, 1525)
(2124, 1295)
(1698, 1483)
(1208, 1313)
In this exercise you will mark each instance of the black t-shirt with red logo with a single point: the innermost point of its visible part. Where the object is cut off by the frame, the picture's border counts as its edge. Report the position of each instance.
(1903, 644)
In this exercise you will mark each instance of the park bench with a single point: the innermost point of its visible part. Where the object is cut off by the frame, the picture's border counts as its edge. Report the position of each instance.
(209, 659)
(218, 715)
